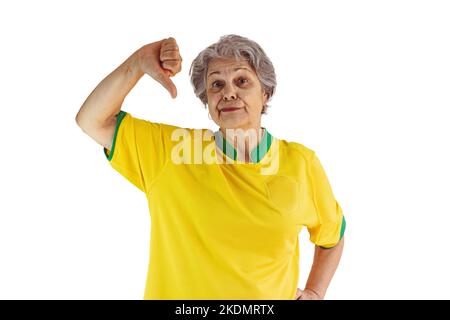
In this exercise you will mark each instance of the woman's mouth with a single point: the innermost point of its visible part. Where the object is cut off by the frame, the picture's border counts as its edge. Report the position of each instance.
(229, 109)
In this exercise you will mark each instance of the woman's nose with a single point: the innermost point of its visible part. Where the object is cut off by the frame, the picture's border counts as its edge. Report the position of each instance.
(229, 93)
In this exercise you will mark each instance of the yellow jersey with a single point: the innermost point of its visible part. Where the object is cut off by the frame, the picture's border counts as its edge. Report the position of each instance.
(222, 228)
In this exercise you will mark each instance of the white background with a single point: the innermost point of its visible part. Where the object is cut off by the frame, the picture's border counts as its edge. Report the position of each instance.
(363, 83)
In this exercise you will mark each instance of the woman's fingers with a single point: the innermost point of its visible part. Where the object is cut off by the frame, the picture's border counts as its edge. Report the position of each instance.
(298, 294)
(174, 66)
(161, 60)
(164, 80)
(170, 56)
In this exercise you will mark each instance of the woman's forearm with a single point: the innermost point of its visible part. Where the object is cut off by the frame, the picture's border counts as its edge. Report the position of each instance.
(106, 99)
(324, 266)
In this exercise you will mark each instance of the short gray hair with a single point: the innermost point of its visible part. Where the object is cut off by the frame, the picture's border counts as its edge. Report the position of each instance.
(238, 47)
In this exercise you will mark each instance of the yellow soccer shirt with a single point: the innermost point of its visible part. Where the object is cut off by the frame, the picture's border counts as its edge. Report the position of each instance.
(222, 228)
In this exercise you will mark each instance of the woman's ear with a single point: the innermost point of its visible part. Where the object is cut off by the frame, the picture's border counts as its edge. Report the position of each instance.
(265, 98)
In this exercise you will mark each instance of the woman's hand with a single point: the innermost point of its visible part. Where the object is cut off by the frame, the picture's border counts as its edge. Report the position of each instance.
(307, 294)
(161, 60)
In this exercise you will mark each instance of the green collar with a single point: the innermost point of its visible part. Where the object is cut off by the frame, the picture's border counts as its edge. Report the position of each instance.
(255, 155)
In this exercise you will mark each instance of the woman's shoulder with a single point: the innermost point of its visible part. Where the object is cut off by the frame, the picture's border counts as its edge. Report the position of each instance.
(296, 149)
(160, 125)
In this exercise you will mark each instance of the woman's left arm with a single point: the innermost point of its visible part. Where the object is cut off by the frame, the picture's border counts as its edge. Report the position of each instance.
(322, 271)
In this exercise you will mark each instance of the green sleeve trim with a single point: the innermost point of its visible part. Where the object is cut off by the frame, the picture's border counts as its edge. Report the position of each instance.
(119, 116)
(343, 226)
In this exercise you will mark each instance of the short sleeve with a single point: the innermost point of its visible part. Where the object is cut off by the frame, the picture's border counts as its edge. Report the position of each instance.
(328, 226)
(139, 149)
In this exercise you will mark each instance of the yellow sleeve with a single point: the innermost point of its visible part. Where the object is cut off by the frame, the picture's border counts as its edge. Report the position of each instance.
(139, 149)
(328, 226)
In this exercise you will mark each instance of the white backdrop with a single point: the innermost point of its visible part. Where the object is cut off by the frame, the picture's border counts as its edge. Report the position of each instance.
(363, 83)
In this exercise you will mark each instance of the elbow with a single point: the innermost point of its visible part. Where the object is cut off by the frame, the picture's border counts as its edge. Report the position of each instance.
(338, 245)
(78, 118)
(81, 121)
(77, 121)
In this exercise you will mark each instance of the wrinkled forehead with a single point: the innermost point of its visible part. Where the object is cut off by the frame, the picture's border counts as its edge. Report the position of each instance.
(227, 65)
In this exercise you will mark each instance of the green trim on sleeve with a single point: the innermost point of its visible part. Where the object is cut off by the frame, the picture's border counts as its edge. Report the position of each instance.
(343, 226)
(119, 116)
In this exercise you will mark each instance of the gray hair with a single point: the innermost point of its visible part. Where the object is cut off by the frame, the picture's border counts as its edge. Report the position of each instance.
(238, 47)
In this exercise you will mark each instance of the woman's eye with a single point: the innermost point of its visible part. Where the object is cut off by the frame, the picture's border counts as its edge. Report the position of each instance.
(217, 84)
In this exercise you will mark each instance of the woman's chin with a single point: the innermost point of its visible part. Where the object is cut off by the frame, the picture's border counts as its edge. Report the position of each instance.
(232, 122)
(234, 119)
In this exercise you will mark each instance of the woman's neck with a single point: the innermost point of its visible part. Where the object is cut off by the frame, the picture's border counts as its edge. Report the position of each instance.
(243, 140)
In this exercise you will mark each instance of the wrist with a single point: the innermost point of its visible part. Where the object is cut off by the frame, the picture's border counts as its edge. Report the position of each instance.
(132, 66)
(315, 292)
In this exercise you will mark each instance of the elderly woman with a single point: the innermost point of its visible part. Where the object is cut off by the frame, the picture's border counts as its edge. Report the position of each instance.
(226, 207)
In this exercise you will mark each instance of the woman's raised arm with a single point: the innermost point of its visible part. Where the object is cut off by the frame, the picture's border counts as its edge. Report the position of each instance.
(160, 60)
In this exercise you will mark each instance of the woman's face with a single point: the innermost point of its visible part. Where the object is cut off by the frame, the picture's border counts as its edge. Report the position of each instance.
(235, 95)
